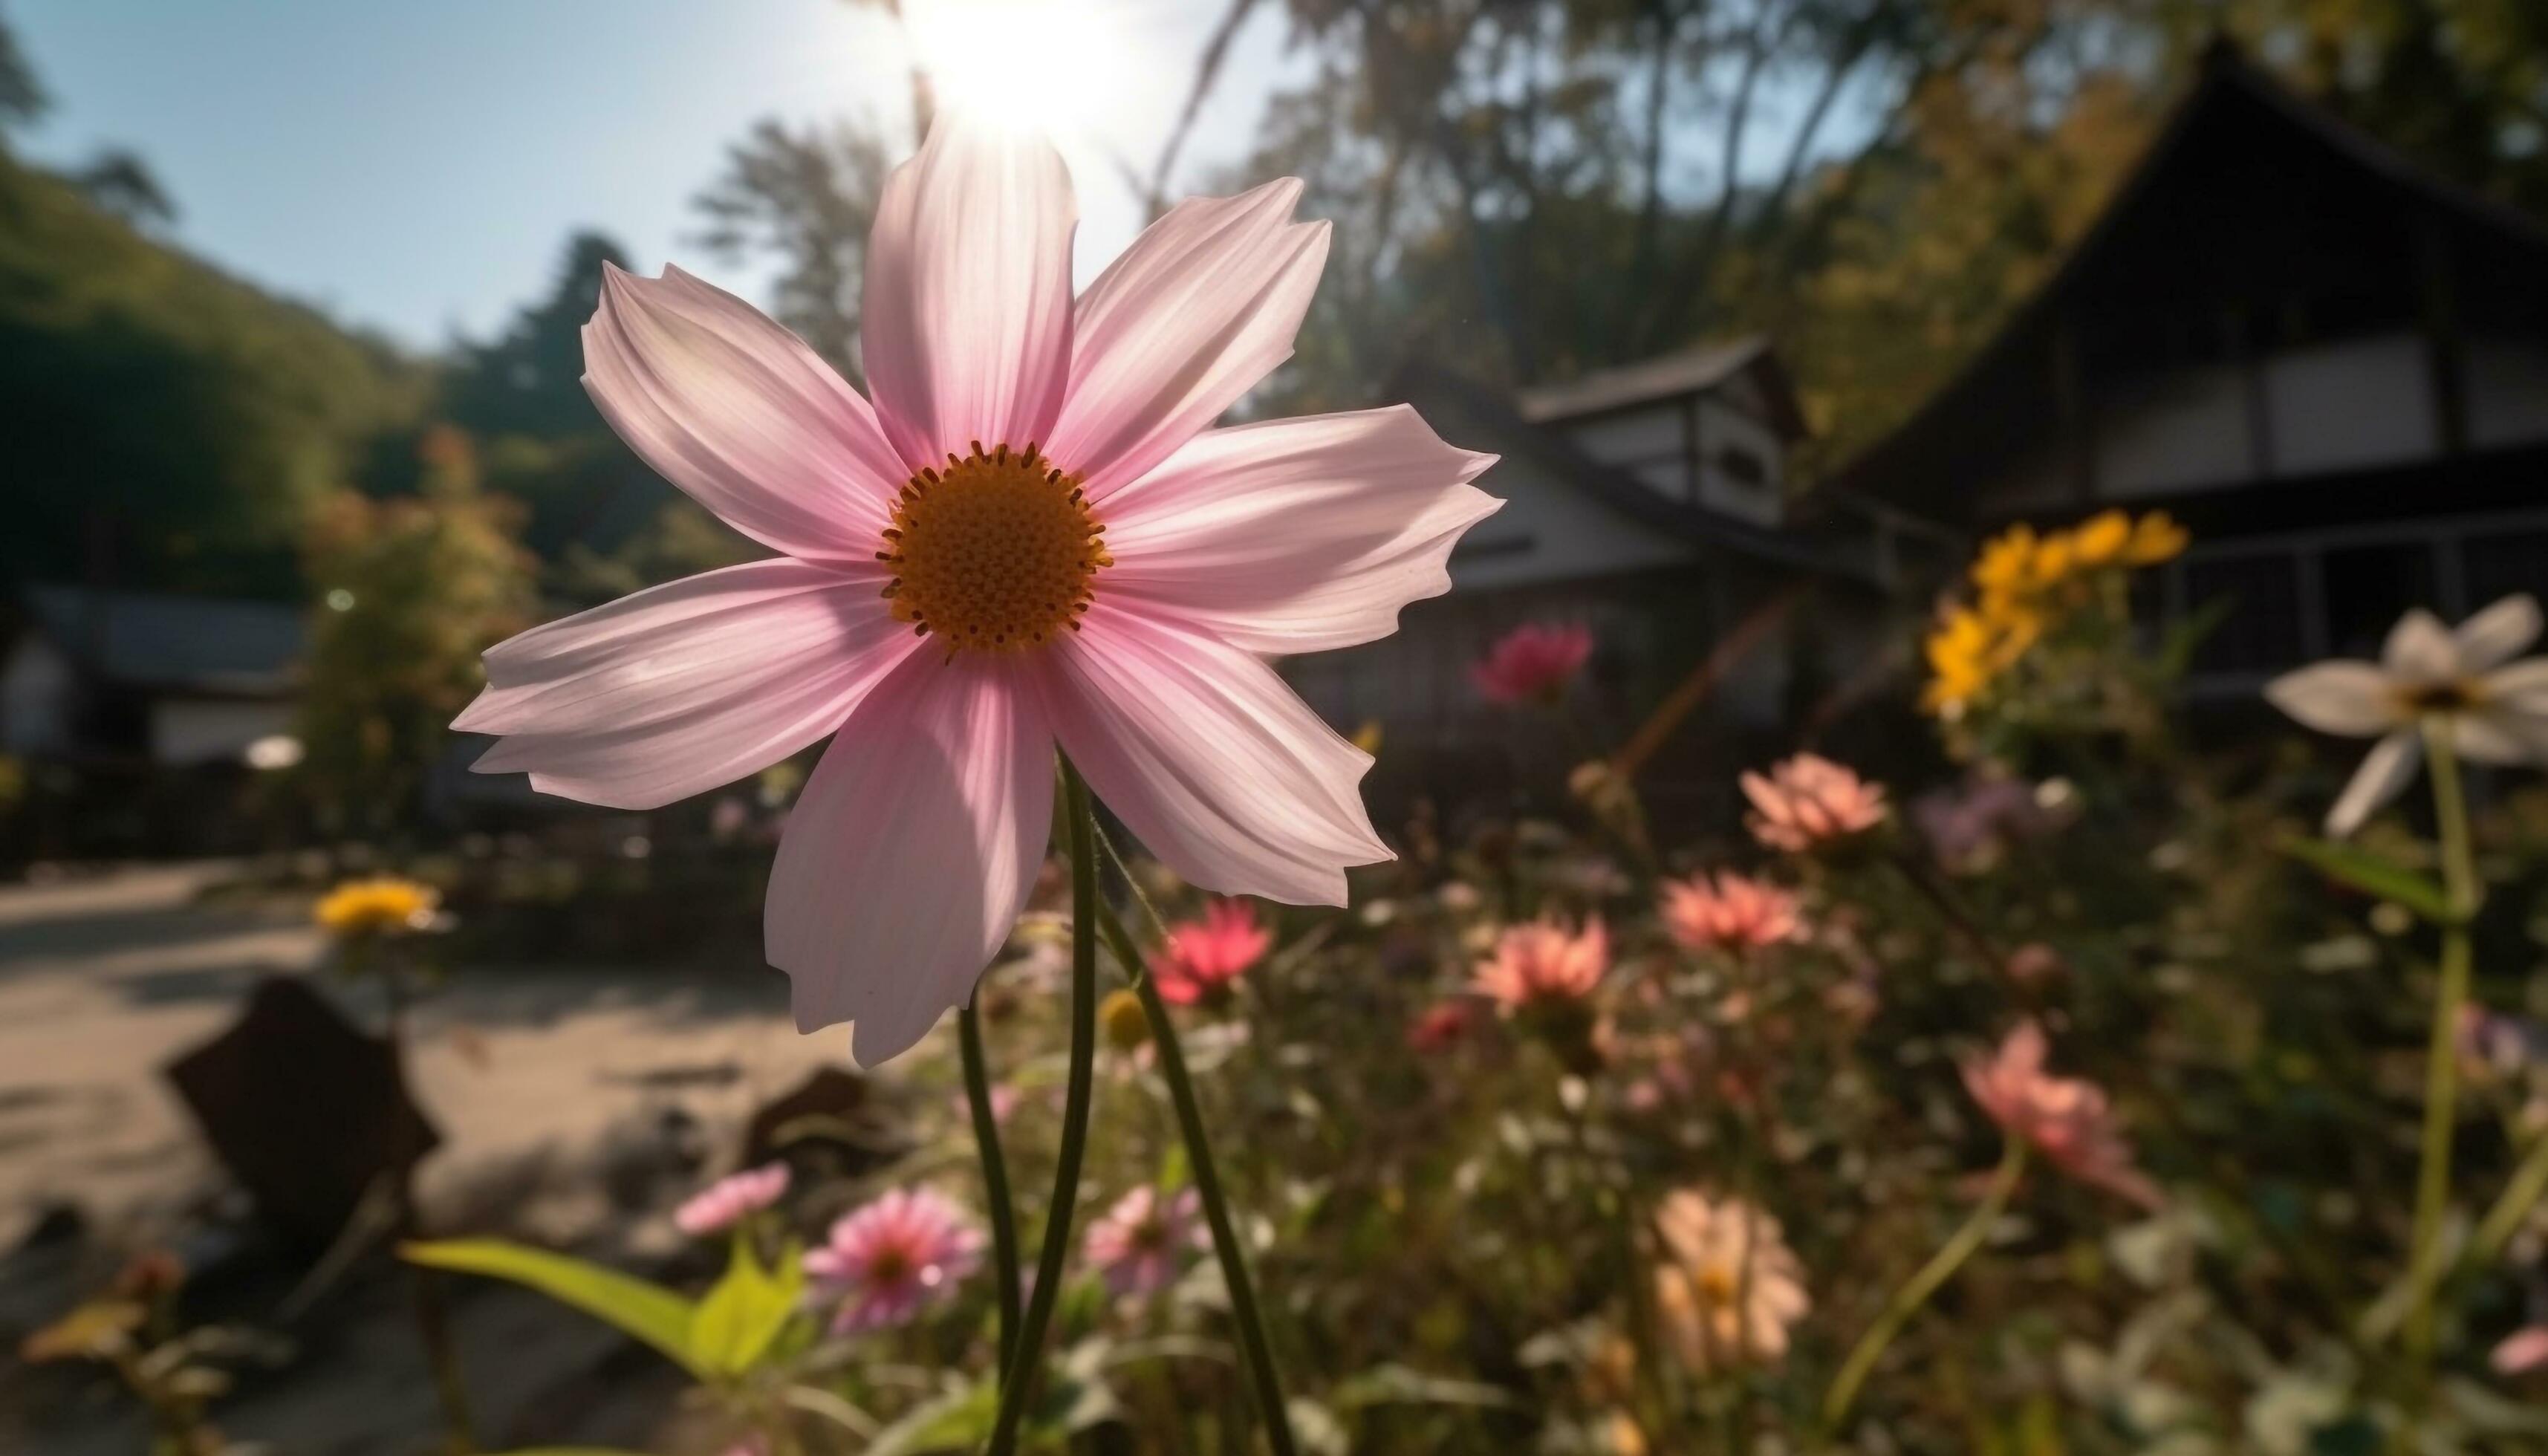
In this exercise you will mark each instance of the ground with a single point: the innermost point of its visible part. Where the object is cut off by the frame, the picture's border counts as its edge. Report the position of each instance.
(572, 1103)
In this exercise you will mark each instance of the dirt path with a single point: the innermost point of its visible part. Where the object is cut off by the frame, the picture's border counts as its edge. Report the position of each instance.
(103, 982)
(567, 1101)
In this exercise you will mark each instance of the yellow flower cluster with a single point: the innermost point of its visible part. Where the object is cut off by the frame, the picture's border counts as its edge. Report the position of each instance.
(2023, 582)
(370, 907)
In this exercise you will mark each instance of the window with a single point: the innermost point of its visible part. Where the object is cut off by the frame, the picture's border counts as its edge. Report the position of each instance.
(2365, 590)
(2499, 565)
(1741, 466)
(2260, 630)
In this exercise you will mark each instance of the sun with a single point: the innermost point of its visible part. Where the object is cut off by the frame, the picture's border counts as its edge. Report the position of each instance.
(1055, 65)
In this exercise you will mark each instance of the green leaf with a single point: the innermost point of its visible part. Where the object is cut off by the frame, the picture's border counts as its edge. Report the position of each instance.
(956, 1421)
(2373, 876)
(572, 1451)
(1386, 1385)
(738, 1318)
(643, 1311)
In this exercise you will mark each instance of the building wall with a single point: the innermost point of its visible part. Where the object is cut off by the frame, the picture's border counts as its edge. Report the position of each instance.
(1549, 532)
(2359, 403)
(188, 732)
(37, 698)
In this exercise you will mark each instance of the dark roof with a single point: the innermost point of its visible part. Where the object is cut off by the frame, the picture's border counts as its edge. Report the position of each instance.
(1682, 372)
(2229, 93)
(1612, 487)
(195, 643)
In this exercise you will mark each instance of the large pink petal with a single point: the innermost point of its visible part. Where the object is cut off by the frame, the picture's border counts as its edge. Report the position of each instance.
(1295, 536)
(690, 684)
(1206, 755)
(965, 331)
(1202, 305)
(910, 852)
(739, 413)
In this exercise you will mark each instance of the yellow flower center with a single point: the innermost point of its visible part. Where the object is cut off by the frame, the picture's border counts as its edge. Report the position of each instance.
(1717, 1285)
(2455, 696)
(993, 553)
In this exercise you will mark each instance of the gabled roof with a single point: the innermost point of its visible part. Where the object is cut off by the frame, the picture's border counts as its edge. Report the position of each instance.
(2229, 93)
(191, 643)
(1611, 486)
(1692, 370)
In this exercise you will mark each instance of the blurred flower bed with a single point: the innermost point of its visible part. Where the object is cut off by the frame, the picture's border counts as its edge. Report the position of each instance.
(2074, 1105)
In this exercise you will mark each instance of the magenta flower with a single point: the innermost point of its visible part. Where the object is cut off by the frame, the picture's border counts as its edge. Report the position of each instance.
(1532, 662)
(730, 1199)
(884, 1261)
(1544, 964)
(1202, 958)
(1808, 802)
(1031, 536)
(1729, 912)
(2068, 1121)
(1136, 1244)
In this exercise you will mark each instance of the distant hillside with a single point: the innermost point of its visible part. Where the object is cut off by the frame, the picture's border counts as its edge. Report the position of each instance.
(162, 424)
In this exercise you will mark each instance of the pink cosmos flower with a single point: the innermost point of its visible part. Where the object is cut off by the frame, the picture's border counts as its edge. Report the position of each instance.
(1532, 662)
(1544, 963)
(1729, 912)
(1029, 536)
(1808, 802)
(2522, 1351)
(1136, 1244)
(1202, 958)
(730, 1198)
(2068, 1121)
(884, 1261)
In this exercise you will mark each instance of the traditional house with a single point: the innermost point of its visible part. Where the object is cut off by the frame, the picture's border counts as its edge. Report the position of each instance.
(124, 680)
(2328, 362)
(1647, 502)
(140, 720)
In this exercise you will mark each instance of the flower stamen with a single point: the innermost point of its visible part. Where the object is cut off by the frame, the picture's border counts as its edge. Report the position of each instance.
(994, 552)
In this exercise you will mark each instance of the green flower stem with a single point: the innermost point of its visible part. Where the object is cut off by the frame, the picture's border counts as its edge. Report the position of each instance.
(1232, 1254)
(995, 1179)
(1933, 1275)
(1028, 1347)
(2521, 1194)
(2442, 1058)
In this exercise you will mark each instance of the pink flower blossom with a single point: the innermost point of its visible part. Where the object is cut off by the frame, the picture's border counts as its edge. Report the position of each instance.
(2068, 1121)
(1808, 802)
(1202, 958)
(2523, 1351)
(1544, 963)
(1729, 912)
(1136, 1244)
(1532, 662)
(730, 1199)
(886, 1259)
(1029, 537)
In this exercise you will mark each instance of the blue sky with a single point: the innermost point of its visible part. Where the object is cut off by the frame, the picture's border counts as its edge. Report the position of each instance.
(417, 167)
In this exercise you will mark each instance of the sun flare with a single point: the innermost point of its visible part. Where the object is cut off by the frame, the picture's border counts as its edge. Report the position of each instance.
(1055, 65)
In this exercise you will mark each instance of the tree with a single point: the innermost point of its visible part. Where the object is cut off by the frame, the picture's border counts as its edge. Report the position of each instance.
(529, 379)
(806, 199)
(409, 592)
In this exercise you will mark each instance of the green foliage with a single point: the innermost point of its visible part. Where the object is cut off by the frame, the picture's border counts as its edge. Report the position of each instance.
(167, 425)
(409, 592)
(642, 1311)
(2368, 872)
(740, 1318)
